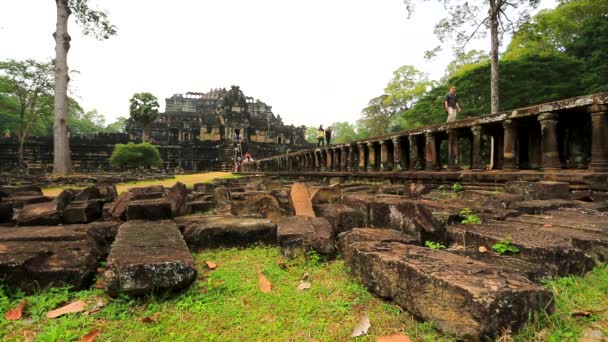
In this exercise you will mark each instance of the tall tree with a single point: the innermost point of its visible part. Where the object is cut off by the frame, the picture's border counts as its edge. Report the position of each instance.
(117, 126)
(470, 19)
(94, 23)
(31, 84)
(144, 110)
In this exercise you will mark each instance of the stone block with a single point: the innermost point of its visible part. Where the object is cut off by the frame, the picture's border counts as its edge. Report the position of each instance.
(200, 206)
(259, 204)
(345, 240)
(300, 200)
(470, 299)
(209, 231)
(151, 209)
(148, 256)
(546, 190)
(299, 234)
(206, 188)
(82, 211)
(176, 196)
(326, 194)
(341, 217)
(40, 214)
(221, 195)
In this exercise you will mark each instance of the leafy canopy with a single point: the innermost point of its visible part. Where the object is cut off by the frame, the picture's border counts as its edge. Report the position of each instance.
(135, 155)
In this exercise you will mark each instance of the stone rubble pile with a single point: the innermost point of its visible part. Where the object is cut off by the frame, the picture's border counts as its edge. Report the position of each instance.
(382, 231)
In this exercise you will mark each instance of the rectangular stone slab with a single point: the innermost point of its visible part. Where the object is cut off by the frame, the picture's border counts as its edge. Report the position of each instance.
(300, 200)
(472, 300)
(149, 209)
(206, 231)
(148, 256)
(299, 234)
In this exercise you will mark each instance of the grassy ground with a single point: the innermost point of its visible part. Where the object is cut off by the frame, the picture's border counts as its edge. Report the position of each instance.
(188, 180)
(226, 305)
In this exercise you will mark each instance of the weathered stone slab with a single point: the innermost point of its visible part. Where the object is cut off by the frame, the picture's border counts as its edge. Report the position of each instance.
(37, 257)
(415, 190)
(300, 200)
(371, 235)
(24, 190)
(119, 209)
(299, 234)
(200, 206)
(341, 217)
(257, 204)
(206, 188)
(40, 214)
(207, 231)
(273, 185)
(82, 211)
(562, 251)
(151, 209)
(221, 195)
(397, 212)
(473, 300)
(541, 206)
(148, 256)
(543, 190)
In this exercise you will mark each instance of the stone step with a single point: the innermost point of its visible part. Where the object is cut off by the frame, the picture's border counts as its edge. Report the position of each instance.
(148, 256)
(470, 299)
(36, 257)
(207, 231)
(563, 251)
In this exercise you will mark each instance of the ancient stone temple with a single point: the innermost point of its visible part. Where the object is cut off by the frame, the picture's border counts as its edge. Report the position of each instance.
(196, 132)
(217, 115)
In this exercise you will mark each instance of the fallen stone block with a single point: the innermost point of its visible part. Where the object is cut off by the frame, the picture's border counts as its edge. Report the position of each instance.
(258, 204)
(33, 258)
(24, 190)
(326, 194)
(206, 188)
(177, 198)
(561, 251)
(200, 206)
(105, 192)
(82, 211)
(300, 200)
(397, 212)
(221, 195)
(207, 231)
(472, 300)
(345, 240)
(415, 190)
(148, 256)
(151, 210)
(273, 185)
(341, 217)
(299, 234)
(543, 190)
(119, 208)
(40, 214)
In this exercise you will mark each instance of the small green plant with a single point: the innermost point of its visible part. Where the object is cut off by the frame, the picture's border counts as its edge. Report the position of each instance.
(457, 187)
(434, 245)
(442, 187)
(469, 217)
(503, 246)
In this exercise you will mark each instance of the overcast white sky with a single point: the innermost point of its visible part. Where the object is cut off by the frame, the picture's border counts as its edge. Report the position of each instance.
(316, 61)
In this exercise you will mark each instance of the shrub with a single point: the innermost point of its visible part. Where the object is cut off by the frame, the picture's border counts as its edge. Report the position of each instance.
(135, 155)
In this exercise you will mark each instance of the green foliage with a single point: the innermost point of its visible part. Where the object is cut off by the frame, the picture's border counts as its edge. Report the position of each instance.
(94, 22)
(117, 126)
(469, 217)
(456, 187)
(143, 109)
(504, 246)
(135, 155)
(311, 134)
(434, 245)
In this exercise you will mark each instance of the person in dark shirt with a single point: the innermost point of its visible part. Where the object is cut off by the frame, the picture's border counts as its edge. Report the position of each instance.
(450, 103)
(327, 135)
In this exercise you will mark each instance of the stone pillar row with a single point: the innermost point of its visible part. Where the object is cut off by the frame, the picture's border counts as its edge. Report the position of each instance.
(421, 151)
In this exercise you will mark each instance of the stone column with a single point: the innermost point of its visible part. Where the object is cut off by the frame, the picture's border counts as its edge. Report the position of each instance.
(317, 165)
(386, 158)
(323, 160)
(453, 150)
(397, 154)
(344, 158)
(599, 138)
(431, 157)
(337, 156)
(362, 163)
(476, 161)
(510, 145)
(549, 147)
(414, 153)
(330, 159)
(371, 157)
(351, 158)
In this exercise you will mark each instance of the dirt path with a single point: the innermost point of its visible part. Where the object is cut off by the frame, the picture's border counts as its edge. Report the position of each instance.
(188, 180)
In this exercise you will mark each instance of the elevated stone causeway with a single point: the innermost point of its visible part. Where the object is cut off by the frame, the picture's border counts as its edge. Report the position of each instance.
(524, 144)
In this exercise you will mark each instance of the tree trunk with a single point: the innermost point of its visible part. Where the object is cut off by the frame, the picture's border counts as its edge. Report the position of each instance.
(20, 151)
(494, 78)
(143, 135)
(62, 161)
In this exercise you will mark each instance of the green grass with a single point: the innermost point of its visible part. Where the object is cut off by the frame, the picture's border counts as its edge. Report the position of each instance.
(226, 305)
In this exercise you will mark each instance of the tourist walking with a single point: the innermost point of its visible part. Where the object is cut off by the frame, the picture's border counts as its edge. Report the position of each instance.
(450, 103)
(320, 136)
(328, 135)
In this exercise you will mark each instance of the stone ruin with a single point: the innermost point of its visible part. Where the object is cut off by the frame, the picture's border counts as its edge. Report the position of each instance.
(468, 290)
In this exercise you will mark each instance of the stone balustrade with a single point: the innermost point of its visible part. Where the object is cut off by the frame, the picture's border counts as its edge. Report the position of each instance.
(565, 134)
